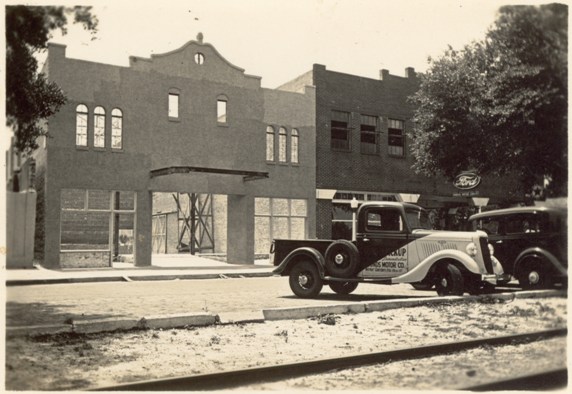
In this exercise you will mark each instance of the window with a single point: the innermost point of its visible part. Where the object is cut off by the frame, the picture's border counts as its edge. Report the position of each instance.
(199, 58)
(384, 220)
(278, 218)
(99, 127)
(269, 143)
(116, 128)
(282, 145)
(368, 134)
(294, 147)
(81, 125)
(221, 110)
(340, 133)
(173, 105)
(395, 138)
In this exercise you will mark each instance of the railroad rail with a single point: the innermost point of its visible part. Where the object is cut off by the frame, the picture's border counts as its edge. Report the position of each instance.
(244, 377)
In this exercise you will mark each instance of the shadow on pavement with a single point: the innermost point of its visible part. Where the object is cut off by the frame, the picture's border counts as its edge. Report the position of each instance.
(359, 297)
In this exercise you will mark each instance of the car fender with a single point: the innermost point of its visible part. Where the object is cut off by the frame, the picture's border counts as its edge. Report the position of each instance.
(418, 273)
(310, 253)
(539, 252)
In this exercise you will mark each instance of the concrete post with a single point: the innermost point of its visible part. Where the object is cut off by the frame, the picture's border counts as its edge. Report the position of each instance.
(240, 229)
(21, 224)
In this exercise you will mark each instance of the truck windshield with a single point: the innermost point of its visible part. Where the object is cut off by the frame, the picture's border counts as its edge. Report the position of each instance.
(418, 219)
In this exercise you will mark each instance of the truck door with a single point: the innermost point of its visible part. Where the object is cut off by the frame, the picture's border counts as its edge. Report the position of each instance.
(383, 243)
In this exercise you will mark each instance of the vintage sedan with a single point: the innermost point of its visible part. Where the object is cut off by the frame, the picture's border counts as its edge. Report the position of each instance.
(530, 243)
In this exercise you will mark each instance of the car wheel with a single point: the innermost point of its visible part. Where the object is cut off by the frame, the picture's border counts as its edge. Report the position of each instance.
(343, 287)
(342, 259)
(534, 275)
(305, 280)
(449, 280)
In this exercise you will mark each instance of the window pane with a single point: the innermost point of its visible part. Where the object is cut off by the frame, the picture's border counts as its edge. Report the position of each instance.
(116, 129)
(282, 145)
(280, 206)
(262, 234)
(261, 206)
(99, 131)
(98, 199)
(294, 147)
(221, 111)
(84, 230)
(280, 227)
(299, 208)
(297, 228)
(269, 144)
(125, 201)
(81, 129)
(73, 199)
(173, 105)
(341, 212)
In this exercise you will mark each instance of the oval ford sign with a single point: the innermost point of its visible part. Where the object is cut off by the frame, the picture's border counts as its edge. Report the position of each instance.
(466, 181)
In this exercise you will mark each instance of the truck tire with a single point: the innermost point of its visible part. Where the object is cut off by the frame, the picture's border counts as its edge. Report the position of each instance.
(449, 280)
(342, 259)
(343, 287)
(305, 280)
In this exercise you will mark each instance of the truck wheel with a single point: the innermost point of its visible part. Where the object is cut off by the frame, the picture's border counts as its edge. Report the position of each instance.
(305, 280)
(343, 287)
(342, 259)
(449, 280)
(533, 275)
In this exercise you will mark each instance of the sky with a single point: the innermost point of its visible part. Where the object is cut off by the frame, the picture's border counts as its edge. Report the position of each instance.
(281, 39)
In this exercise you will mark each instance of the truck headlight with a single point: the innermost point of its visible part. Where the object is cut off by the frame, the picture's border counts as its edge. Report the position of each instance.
(472, 249)
(491, 249)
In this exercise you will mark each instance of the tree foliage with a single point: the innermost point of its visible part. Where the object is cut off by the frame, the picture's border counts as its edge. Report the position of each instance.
(499, 106)
(30, 98)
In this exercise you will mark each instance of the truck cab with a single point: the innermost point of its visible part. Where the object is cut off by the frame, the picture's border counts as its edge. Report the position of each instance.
(394, 244)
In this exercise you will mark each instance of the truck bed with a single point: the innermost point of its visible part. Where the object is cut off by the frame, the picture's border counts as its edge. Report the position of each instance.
(282, 247)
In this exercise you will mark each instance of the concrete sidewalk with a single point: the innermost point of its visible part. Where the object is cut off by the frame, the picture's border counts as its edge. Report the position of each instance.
(164, 267)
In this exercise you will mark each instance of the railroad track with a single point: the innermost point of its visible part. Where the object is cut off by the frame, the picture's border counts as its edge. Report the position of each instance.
(249, 376)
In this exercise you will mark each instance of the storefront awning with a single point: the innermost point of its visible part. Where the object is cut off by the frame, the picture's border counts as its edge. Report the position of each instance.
(247, 175)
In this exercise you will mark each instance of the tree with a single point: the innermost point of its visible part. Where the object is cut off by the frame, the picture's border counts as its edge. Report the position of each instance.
(499, 106)
(30, 98)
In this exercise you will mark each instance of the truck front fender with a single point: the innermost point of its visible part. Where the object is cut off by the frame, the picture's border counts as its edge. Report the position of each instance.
(418, 273)
(296, 255)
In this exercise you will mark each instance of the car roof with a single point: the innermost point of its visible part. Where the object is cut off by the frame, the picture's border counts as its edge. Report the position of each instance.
(517, 210)
(391, 204)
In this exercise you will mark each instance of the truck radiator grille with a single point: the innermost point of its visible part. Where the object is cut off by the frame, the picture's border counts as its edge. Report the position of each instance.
(486, 255)
(429, 248)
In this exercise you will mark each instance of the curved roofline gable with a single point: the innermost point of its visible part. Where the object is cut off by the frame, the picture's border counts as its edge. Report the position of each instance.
(198, 43)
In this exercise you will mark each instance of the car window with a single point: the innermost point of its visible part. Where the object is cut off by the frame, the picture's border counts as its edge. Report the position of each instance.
(523, 224)
(488, 225)
(418, 219)
(384, 220)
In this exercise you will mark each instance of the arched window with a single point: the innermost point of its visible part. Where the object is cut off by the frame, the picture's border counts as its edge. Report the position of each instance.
(294, 146)
(81, 125)
(269, 143)
(116, 128)
(99, 127)
(282, 145)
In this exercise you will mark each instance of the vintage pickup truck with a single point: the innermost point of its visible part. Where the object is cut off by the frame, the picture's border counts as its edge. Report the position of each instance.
(394, 244)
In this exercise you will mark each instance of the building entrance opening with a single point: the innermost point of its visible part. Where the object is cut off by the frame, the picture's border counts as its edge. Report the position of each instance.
(188, 223)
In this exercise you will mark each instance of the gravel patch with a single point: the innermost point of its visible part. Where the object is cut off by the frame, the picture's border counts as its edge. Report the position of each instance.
(71, 362)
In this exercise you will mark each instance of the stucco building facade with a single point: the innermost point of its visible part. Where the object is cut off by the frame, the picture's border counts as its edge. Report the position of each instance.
(187, 122)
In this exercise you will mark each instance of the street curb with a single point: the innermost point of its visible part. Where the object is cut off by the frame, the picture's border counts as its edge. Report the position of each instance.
(134, 278)
(377, 306)
(207, 319)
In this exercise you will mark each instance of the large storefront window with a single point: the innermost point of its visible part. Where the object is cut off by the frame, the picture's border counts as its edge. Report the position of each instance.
(97, 227)
(278, 218)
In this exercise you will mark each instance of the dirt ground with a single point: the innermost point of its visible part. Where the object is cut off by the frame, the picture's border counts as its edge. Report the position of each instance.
(71, 362)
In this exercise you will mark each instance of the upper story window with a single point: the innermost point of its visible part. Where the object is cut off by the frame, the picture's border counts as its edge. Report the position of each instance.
(81, 125)
(116, 129)
(340, 132)
(269, 143)
(221, 106)
(99, 127)
(199, 58)
(395, 138)
(174, 105)
(282, 135)
(294, 146)
(368, 134)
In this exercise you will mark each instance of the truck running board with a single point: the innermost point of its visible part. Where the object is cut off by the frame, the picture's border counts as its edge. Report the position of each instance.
(380, 281)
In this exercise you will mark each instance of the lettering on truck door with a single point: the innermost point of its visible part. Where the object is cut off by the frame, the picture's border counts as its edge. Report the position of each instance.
(383, 245)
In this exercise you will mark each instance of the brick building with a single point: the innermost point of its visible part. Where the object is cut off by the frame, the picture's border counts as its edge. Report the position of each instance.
(362, 152)
(133, 142)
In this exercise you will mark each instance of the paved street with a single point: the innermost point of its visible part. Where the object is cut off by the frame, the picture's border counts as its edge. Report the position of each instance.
(54, 304)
